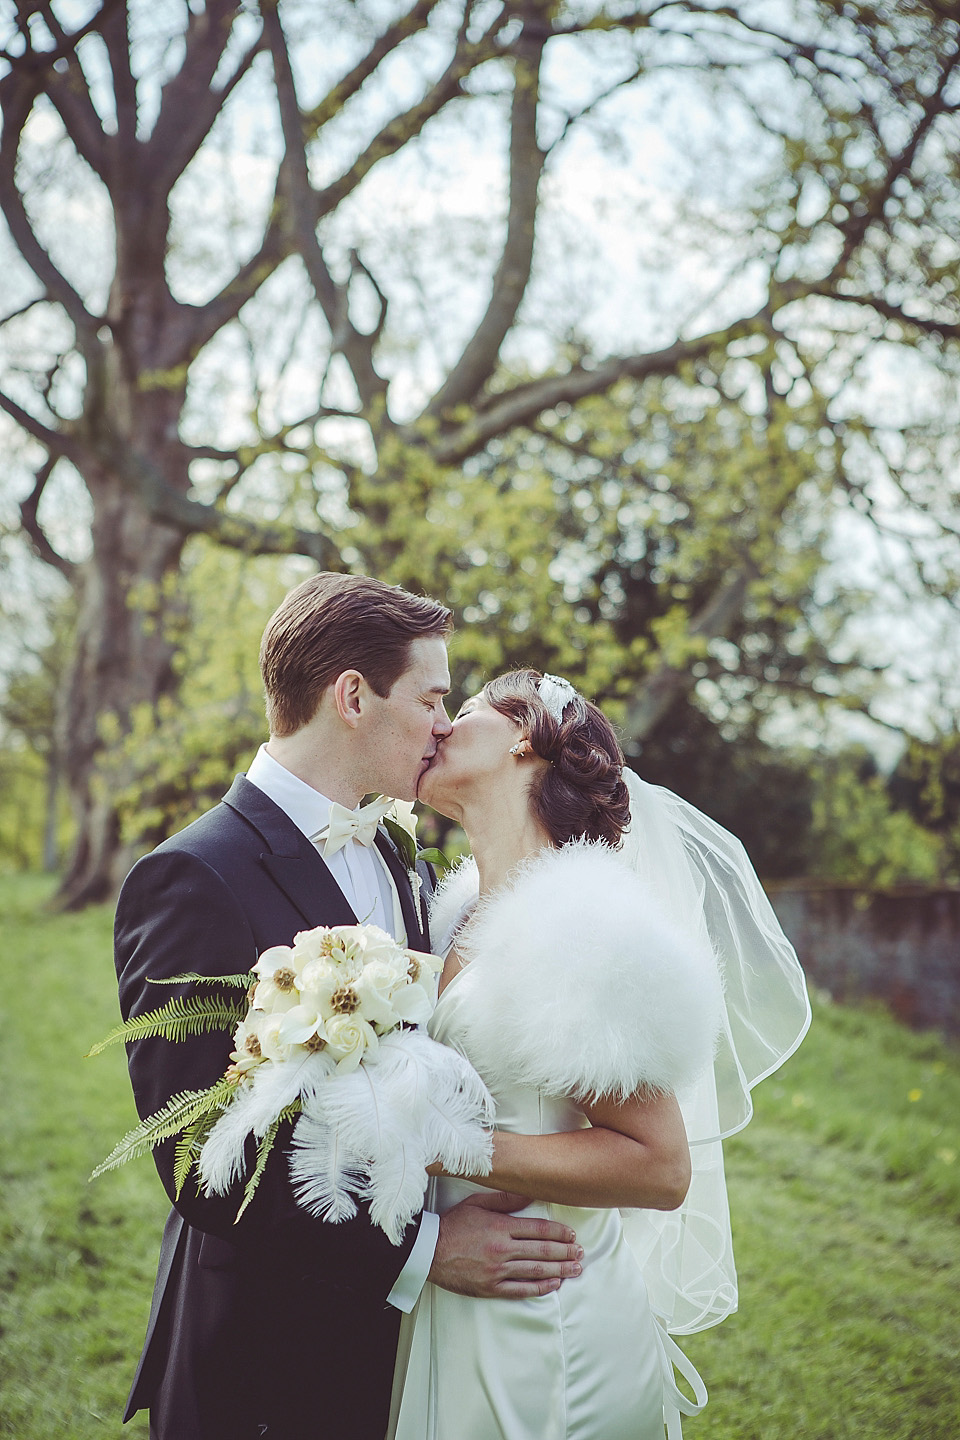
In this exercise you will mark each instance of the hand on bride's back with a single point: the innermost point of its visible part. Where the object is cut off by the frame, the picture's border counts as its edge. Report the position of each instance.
(486, 1251)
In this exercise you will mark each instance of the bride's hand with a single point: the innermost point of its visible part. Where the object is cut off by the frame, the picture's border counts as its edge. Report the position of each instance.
(436, 1169)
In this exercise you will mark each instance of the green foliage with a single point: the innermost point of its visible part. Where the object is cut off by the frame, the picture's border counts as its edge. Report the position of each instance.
(23, 784)
(185, 1015)
(858, 836)
(190, 977)
(180, 1111)
(762, 793)
(264, 1147)
(181, 754)
(926, 784)
(844, 1192)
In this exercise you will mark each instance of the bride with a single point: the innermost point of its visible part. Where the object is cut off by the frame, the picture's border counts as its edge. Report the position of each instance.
(618, 979)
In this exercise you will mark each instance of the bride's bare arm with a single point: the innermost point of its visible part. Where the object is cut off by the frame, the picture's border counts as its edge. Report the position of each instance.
(634, 1155)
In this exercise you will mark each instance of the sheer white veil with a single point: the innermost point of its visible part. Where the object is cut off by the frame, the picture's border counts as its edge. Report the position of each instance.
(701, 874)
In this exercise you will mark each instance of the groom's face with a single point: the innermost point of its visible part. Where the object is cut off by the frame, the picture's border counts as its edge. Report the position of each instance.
(408, 724)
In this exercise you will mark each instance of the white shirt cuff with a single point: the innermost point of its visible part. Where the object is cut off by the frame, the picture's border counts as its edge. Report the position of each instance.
(413, 1276)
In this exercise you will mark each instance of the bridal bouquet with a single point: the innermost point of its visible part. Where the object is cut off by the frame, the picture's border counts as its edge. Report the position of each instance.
(326, 1036)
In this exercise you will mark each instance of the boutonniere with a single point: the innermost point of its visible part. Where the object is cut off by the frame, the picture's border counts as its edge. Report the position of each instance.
(400, 823)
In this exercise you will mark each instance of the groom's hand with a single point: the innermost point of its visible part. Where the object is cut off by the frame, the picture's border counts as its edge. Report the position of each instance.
(483, 1250)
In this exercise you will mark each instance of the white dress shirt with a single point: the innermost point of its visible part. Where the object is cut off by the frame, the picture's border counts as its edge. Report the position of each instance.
(365, 879)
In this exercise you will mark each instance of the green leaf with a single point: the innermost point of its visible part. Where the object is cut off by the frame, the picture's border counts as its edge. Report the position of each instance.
(433, 856)
(189, 1146)
(263, 1154)
(239, 982)
(186, 1015)
(403, 840)
(180, 1110)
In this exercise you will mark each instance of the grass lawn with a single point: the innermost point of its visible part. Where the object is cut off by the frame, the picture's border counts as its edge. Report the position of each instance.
(845, 1193)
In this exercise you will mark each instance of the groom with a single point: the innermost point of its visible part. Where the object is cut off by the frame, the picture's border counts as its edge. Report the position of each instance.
(281, 1325)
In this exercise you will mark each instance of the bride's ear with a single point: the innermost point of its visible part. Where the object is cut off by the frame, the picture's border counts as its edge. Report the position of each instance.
(522, 747)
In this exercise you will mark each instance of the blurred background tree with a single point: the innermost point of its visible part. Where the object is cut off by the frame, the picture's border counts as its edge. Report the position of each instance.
(316, 281)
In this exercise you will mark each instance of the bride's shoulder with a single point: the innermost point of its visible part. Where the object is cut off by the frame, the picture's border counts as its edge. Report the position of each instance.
(582, 984)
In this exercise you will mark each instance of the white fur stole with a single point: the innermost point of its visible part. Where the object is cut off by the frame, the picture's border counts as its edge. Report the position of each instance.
(579, 983)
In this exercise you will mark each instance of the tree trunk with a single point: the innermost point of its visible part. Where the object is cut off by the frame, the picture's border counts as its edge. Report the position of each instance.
(123, 658)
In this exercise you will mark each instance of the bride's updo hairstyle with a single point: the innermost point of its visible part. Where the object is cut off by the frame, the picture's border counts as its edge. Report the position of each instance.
(582, 793)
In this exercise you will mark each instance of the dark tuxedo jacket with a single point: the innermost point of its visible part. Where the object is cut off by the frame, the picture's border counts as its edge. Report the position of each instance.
(278, 1325)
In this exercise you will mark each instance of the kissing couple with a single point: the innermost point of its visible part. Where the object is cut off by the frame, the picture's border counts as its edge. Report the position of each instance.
(613, 972)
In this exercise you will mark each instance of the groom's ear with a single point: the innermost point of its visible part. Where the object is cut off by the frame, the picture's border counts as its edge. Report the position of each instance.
(348, 696)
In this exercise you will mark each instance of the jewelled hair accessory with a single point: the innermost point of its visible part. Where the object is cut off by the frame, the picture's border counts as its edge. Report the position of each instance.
(556, 693)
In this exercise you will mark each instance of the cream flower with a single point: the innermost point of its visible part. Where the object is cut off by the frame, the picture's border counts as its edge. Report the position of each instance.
(379, 946)
(312, 944)
(350, 1039)
(276, 990)
(247, 1053)
(271, 1044)
(405, 816)
(298, 1025)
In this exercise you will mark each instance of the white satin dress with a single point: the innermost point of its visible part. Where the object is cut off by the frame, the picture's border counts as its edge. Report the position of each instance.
(587, 1362)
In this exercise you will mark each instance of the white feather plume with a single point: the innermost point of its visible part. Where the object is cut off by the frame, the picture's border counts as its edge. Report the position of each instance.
(454, 895)
(270, 1089)
(375, 1131)
(578, 983)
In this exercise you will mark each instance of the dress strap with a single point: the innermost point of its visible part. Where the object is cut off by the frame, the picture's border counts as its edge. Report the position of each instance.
(674, 1400)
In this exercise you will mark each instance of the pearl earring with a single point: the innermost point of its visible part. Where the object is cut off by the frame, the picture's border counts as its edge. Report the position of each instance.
(518, 748)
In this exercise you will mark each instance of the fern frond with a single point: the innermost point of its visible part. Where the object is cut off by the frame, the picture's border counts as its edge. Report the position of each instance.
(179, 1111)
(239, 982)
(190, 1144)
(183, 1016)
(263, 1154)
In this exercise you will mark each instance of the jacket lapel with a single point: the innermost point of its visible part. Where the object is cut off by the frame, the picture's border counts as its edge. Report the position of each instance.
(291, 861)
(416, 933)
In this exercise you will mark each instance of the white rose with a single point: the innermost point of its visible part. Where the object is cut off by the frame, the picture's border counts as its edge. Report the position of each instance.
(312, 944)
(374, 989)
(378, 946)
(350, 1039)
(273, 1045)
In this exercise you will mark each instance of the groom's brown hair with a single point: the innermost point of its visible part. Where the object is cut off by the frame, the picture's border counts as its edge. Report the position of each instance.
(332, 623)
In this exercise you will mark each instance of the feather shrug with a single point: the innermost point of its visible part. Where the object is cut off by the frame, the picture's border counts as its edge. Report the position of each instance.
(577, 981)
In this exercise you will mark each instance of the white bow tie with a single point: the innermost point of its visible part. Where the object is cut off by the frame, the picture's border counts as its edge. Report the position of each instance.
(344, 825)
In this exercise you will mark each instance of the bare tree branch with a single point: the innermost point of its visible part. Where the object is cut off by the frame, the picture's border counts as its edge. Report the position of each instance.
(357, 348)
(870, 209)
(927, 325)
(332, 103)
(523, 403)
(54, 440)
(17, 95)
(189, 105)
(68, 92)
(238, 532)
(116, 37)
(405, 127)
(479, 358)
(660, 689)
(35, 533)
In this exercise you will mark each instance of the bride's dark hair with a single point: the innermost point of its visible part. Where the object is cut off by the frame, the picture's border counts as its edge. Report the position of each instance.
(581, 792)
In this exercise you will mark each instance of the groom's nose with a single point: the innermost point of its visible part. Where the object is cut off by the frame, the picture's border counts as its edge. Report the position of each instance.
(442, 725)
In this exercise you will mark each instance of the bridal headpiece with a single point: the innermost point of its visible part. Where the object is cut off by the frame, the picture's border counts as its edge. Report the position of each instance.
(556, 693)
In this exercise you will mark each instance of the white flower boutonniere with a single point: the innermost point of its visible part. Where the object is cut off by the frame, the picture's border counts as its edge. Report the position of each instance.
(400, 823)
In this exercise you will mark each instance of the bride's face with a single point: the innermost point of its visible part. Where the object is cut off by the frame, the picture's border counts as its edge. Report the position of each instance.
(473, 757)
